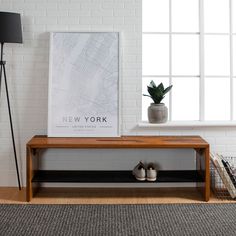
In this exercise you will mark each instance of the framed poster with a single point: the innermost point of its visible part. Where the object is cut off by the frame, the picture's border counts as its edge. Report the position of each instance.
(83, 98)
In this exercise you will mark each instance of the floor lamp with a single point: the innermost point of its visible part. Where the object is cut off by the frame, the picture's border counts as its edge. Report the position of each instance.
(10, 32)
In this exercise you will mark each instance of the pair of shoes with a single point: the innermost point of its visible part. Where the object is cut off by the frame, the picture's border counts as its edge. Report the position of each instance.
(139, 171)
(142, 173)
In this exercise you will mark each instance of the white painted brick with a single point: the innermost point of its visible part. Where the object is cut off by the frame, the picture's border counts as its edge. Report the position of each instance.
(5, 6)
(56, 27)
(36, 1)
(131, 102)
(130, 58)
(93, 5)
(130, 65)
(79, 12)
(215, 133)
(218, 148)
(124, 12)
(113, 20)
(90, 20)
(102, 12)
(175, 131)
(138, 13)
(81, 28)
(39, 36)
(131, 35)
(129, 43)
(67, 6)
(100, 28)
(57, 13)
(24, 6)
(14, 1)
(231, 132)
(82, 1)
(27, 70)
(27, 20)
(38, 28)
(192, 132)
(130, 20)
(129, 72)
(47, 6)
(231, 148)
(152, 132)
(225, 140)
(112, 5)
(34, 13)
(130, 5)
(45, 20)
(130, 118)
(28, 35)
(68, 20)
(124, 28)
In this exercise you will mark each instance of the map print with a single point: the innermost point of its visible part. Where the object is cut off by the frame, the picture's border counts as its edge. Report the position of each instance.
(84, 85)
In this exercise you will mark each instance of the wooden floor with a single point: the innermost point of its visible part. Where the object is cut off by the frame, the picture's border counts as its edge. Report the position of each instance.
(106, 196)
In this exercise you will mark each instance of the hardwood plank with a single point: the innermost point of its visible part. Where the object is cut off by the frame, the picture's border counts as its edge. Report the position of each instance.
(120, 142)
(11, 195)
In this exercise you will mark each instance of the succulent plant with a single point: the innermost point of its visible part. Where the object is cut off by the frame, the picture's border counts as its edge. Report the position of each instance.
(157, 93)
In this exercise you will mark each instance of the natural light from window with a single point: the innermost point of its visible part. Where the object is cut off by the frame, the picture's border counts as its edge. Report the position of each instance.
(191, 44)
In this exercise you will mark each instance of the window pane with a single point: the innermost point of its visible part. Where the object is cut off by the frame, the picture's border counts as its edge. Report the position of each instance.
(234, 55)
(146, 100)
(234, 15)
(217, 55)
(155, 16)
(185, 99)
(155, 54)
(234, 102)
(185, 55)
(216, 16)
(185, 15)
(217, 98)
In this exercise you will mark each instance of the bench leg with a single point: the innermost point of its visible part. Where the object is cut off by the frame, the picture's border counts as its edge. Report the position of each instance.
(203, 167)
(32, 166)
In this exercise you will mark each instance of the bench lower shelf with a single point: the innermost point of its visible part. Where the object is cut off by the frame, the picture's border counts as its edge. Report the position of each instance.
(61, 176)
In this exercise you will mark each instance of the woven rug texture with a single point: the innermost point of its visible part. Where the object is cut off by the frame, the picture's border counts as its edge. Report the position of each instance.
(114, 220)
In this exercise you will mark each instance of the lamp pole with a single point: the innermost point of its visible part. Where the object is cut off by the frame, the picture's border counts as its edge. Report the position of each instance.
(3, 63)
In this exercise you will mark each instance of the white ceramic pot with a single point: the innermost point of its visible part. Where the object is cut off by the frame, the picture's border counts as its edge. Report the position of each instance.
(157, 113)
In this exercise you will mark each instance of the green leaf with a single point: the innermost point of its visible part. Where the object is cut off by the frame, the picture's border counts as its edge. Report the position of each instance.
(157, 93)
(154, 91)
(167, 89)
(147, 95)
(152, 84)
(151, 90)
(161, 87)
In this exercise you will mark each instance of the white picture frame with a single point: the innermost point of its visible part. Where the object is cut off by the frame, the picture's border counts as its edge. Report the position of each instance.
(83, 91)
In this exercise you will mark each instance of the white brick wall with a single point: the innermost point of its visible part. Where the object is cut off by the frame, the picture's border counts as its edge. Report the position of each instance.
(27, 70)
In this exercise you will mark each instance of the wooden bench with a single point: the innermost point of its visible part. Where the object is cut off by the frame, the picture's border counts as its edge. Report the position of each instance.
(34, 176)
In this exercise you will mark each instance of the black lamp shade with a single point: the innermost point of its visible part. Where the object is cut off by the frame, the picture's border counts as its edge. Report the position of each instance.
(10, 27)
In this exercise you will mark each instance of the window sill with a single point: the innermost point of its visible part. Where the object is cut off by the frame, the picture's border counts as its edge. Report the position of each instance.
(146, 124)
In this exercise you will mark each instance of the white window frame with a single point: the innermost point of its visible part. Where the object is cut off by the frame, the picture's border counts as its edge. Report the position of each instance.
(202, 76)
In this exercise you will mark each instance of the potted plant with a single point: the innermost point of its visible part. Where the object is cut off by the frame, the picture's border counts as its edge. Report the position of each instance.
(157, 111)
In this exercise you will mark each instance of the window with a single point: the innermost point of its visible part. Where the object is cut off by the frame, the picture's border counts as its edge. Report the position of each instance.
(192, 45)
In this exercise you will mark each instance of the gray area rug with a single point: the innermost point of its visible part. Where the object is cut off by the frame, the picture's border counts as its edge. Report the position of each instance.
(112, 220)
